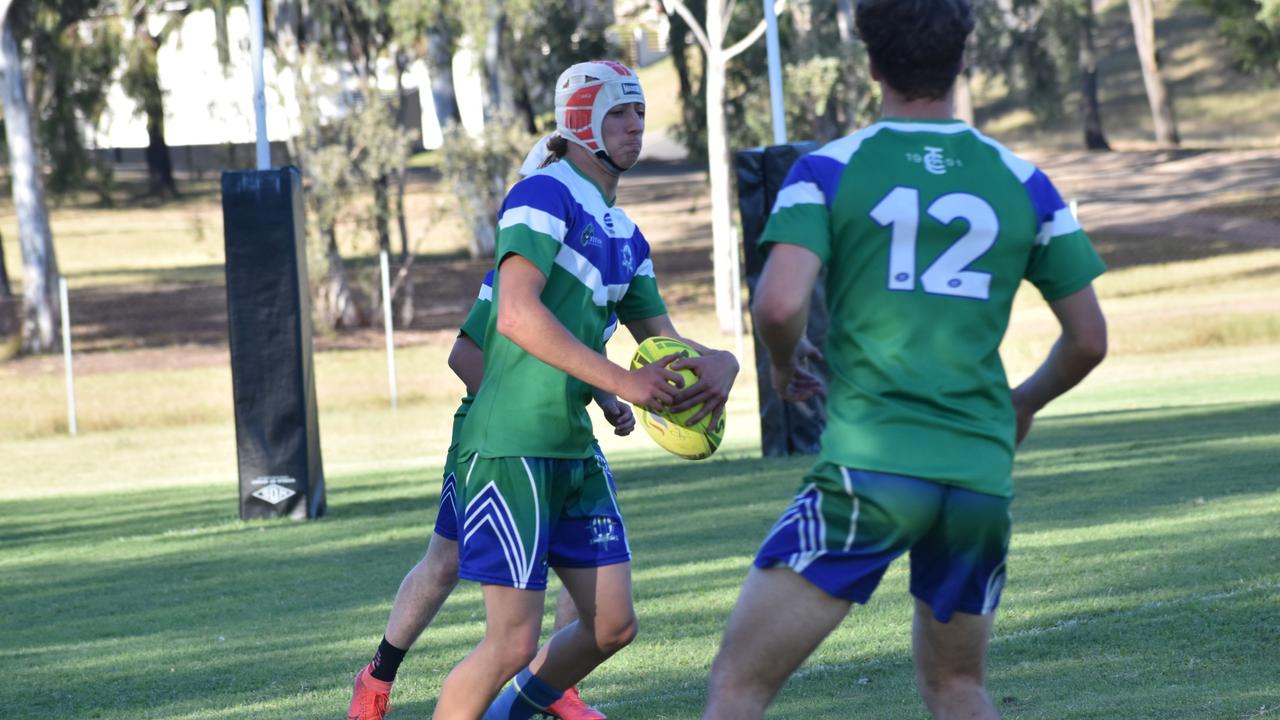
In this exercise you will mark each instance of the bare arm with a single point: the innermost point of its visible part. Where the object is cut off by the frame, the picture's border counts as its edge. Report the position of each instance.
(466, 360)
(781, 311)
(1078, 350)
(523, 319)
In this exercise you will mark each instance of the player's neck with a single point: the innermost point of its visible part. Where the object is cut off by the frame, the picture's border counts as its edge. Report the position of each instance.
(590, 166)
(893, 105)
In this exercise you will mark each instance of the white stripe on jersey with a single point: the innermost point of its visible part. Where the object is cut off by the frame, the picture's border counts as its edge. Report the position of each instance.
(801, 193)
(486, 293)
(535, 219)
(589, 275)
(1020, 168)
(842, 149)
(588, 196)
(1063, 223)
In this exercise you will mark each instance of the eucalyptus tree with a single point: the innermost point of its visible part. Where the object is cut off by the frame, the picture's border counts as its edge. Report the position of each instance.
(711, 34)
(39, 313)
(1158, 98)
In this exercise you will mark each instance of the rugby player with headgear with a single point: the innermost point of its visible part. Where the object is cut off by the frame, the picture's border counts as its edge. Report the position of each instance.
(532, 491)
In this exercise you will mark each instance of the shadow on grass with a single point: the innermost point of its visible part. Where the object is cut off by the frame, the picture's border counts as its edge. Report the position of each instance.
(167, 606)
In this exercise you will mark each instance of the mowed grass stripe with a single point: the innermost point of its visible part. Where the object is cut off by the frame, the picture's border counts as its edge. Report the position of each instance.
(1143, 583)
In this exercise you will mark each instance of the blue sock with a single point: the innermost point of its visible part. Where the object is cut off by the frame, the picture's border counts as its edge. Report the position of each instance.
(525, 697)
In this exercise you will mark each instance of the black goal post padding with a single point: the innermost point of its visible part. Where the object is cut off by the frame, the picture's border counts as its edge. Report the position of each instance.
(785, 428)
(269, 324)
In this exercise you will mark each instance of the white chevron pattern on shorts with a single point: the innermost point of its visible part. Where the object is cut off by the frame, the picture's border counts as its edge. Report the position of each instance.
(449, 494)
(489, 508)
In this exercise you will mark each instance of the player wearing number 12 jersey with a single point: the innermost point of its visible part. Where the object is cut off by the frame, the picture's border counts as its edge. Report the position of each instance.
(926, 228)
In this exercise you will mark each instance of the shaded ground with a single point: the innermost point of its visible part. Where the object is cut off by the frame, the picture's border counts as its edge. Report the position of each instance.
(1139, 207)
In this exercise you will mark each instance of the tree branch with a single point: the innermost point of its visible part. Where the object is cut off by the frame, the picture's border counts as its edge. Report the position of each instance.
(736, 49)
(689, 20)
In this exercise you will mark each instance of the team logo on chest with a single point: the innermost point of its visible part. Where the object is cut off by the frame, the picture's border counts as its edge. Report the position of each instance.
(628, 260)
(608, 223)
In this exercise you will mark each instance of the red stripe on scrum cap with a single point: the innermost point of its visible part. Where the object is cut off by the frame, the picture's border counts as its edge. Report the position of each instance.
(578, 120)
(617, 66)
(584, 97)
(588, 137)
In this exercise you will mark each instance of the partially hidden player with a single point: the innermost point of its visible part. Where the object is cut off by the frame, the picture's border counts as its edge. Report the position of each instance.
(426, 586)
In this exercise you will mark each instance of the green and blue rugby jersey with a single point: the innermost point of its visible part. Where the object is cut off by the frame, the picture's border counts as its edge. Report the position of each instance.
(474, 327)
(926, 230)
(597, 264)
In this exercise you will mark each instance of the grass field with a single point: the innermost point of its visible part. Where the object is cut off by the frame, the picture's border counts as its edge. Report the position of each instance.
(1144, 577)
(1144, 572)
(1144, 582)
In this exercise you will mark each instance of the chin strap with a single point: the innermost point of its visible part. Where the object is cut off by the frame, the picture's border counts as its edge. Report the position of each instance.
(608, 163)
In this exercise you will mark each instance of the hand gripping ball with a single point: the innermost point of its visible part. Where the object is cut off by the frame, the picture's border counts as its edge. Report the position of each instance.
(668, 429)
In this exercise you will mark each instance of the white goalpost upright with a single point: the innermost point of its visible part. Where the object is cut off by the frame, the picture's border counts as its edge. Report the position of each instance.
(775, 74)
(259, 84)
(66, 354)
(388, 327)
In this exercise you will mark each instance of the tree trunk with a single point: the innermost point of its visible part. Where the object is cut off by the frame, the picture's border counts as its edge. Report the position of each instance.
(338, 305)
(221, 40)
(382, 211)
(498, 89)
(440, 66)
(1144, 33)
(844, 21)
(1091, 113)
(402, 224)
(10, 328)
(39, 265)
(6, 290)
(159, 165)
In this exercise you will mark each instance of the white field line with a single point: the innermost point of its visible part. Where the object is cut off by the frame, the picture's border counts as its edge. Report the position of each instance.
(824, 669)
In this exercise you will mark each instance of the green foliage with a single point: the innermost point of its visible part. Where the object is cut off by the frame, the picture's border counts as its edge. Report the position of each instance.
(1251, 29)
(1033, 44)
(478, 171)
(542, 38)
(74, 54)
(827, 90)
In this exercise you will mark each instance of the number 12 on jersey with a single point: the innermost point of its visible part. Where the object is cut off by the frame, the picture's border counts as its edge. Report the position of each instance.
(899, 210)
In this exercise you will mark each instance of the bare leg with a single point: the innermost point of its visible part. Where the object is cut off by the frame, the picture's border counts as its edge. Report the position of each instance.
(606, 624)
(512, 621)
(950, 661)
(779, 620)
(566, 611)
(422, 592)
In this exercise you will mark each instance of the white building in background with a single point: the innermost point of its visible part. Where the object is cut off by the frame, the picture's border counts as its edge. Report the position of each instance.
(208, 105)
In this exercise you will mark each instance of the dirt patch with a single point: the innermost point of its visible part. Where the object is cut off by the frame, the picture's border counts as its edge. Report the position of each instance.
(1139, 207)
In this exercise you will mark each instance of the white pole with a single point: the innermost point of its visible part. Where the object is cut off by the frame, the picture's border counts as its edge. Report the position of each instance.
(259, 92)
(736, 278)
(386, 320)
(775, 74)
(66, 354)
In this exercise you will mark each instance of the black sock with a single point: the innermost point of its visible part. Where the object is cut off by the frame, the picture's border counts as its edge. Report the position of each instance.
(387, 661)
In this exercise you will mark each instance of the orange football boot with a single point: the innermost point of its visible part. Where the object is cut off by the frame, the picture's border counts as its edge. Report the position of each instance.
(370, 698)
(571, 707)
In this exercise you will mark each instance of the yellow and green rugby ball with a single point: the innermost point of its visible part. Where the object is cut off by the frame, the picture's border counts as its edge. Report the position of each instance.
(668, 429)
